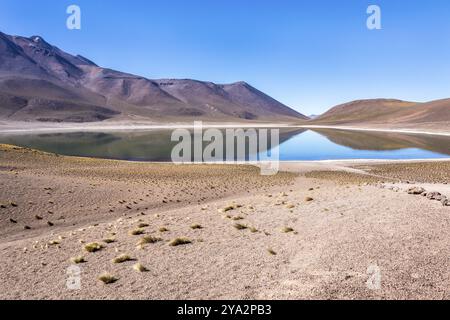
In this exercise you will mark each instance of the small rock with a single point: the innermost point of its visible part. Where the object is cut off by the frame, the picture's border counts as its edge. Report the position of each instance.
(434, 196)
(415, 190)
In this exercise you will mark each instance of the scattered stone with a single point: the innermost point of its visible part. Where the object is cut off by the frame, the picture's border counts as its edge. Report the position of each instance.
(415, 190)
(434, 196)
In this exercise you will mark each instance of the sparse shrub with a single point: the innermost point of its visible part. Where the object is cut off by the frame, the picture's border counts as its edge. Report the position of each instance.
(148, 239)
(77, 260)
(143, 225)
(109, 240)
(287, 230)
(122, 258)
(139, 268)
(107, 278)
(93, 247)
(240, 226)
(137, 232)
(179, 242)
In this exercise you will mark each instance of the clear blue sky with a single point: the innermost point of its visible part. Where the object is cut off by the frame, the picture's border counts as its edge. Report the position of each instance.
(309, 55)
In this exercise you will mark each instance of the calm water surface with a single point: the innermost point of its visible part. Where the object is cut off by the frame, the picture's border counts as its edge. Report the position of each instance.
(295, 144)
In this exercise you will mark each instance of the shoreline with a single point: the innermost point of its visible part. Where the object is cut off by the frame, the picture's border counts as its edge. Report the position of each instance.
(24, 128)
(405, 131)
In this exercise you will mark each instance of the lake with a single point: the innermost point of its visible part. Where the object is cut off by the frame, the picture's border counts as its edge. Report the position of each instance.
(294, 144)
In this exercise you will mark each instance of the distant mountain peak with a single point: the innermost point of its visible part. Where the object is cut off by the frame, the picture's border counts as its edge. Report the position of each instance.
(54, 85)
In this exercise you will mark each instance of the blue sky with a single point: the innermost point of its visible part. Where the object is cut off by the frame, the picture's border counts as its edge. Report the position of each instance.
(310, 55)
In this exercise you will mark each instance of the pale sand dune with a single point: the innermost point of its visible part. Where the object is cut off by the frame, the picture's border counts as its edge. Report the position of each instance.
(353, 221)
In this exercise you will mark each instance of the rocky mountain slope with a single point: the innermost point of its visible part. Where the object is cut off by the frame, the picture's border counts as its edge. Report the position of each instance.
(39, 81)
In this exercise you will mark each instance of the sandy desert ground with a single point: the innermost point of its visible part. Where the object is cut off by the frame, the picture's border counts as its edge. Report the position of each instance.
(316, 231)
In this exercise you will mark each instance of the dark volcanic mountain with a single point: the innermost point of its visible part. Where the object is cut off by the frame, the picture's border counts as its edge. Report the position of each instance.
(40, 82)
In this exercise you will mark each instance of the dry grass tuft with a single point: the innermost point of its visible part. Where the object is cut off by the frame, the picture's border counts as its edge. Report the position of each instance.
(308, 199)
(107, 278)
(93, 247)
(148, 239)
(240, 226)
(109, 240)
(77, 260)
(179, 242)
(163, 229)
(143, 225)
(122, 258)
(253, 229)
(137, 232)
(287, 230)
(139, 268)
(196, 226)
(270, 250)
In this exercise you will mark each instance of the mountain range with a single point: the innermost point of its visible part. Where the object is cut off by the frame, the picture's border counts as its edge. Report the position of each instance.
(39, 81)
(388, 112)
